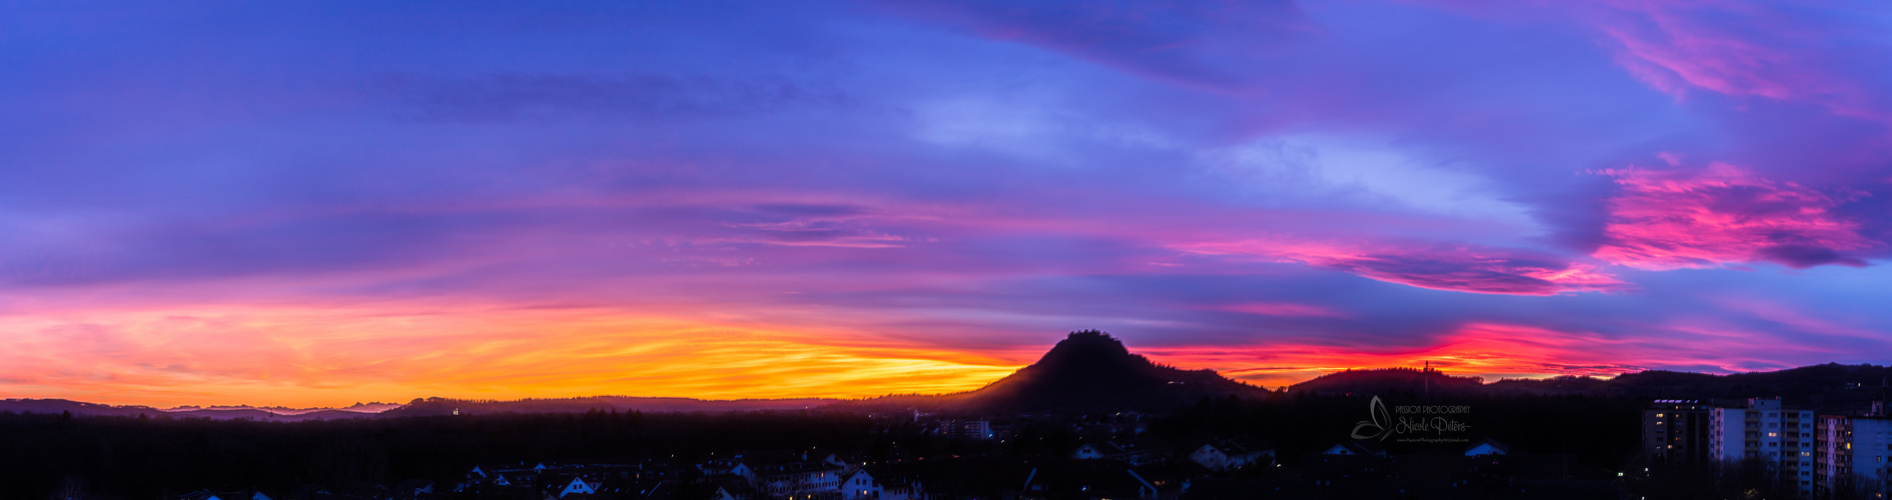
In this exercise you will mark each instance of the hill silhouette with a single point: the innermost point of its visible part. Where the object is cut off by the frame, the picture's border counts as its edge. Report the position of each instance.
(1411, 380)
(1092, 371)
(443, 406)
(1830, 385)
(77, 408)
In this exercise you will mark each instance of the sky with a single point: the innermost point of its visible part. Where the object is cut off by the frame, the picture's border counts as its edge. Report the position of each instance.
(312, 203)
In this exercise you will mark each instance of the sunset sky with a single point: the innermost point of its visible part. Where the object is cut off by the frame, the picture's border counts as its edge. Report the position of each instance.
(312, 203)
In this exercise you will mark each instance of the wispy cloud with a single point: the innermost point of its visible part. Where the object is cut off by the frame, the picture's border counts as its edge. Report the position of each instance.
(1725, 215)
(1461, 268)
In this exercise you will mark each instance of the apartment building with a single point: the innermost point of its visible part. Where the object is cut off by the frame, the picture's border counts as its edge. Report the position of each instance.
(1853, 455)
(1675, 434)
(1780, 439)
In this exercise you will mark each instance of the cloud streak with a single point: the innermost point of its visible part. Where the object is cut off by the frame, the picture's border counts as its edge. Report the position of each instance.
(1726, 215)
(1439, 267)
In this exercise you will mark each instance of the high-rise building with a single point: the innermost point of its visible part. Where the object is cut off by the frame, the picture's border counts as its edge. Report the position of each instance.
(968, 429)
(1853, 455)
(1779, 439)
(1675, 434)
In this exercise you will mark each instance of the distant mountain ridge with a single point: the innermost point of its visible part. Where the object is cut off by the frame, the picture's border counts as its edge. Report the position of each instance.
(376, 407)
(76, 408)
(1831, 384)
(419, 407)
(1091, 371)
(443, 406)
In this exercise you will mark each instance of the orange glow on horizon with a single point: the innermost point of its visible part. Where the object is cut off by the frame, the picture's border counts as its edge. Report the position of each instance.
(328, 358)
(338, 356)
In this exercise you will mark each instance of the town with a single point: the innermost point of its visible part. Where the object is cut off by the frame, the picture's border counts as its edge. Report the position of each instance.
(1795, 450)
(1089, 420)
(1112, 461)
(1804, 450)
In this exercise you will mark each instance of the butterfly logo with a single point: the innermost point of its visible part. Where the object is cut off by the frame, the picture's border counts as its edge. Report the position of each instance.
(1381, 423)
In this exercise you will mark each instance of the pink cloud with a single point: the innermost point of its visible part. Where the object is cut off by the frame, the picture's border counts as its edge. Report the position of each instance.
(1460, 268)
(1503, 350)
(1492, 350)
(1724, 214)
(1736, 49)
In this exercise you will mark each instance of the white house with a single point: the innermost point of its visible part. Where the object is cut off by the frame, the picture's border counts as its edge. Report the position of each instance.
(207, 495)
(744, 471)
(1353, 448)
(784, 475)
(835, 459)
(1096, 450)
(1128, 453)
(1486, 447)
(1227, 454)
(1144, 488)
(860, 485)
(578, 485)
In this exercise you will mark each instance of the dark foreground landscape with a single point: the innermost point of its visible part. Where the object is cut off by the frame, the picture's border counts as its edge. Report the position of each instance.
(1089, 420)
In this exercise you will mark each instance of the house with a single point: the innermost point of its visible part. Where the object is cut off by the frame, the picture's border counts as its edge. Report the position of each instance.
(1085, 479)
(1096, 450)
(967, 429)
(1232, 454)
(865, 484)
(414, 488)
(784, 474)
(725, 466)
(578, 486)
(1147, 488)
(732, 488)
(1166, 481)
(664, 488)
(1127, 452)
(859, 485)
(1363, 448)
(1487, 447)
(209, 495)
